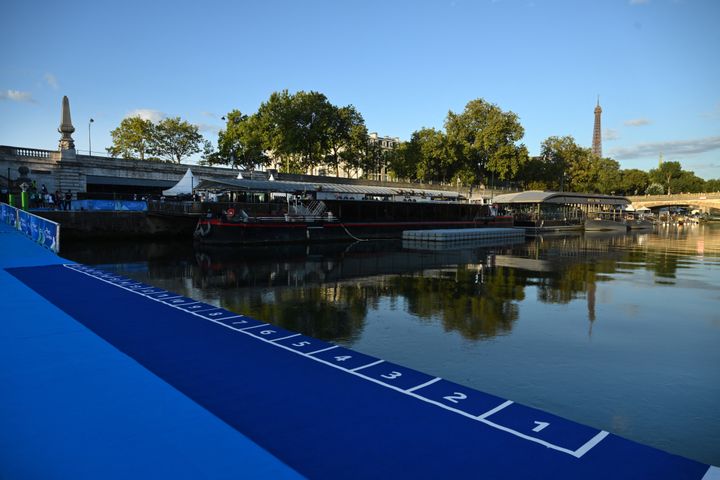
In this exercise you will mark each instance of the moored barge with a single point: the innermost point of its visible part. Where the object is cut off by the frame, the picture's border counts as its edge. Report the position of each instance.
(335, 212)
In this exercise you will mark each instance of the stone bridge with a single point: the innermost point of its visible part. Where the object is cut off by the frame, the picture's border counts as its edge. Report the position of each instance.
(701, 201)
(67, 170)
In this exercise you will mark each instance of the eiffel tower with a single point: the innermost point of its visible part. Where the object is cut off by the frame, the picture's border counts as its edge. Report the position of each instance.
(597, 131)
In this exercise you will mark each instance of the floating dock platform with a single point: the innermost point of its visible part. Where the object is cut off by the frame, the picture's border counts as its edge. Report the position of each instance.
(107, 377)
(459, 235)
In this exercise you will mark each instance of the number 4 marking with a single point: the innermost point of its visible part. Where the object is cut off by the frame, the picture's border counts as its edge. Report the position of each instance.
(540, 426)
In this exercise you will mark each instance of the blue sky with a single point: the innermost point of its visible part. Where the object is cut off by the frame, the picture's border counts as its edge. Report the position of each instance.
(403, 64)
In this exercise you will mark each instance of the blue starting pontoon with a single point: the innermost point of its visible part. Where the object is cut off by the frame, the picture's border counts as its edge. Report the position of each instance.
(106, 377)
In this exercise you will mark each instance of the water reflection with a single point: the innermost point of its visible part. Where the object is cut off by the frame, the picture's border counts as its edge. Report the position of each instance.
(327, 290)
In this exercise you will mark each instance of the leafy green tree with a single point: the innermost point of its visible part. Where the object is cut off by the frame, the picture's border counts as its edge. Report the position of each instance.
(609, 178)
(175, 139)
(583, 171)
(311, 116)
(483, 140)
(688, 182)
(353, 155)
(345, 134)
(434, 162)
(295, 128)
(665, 174)
(373, 157)
(240, 144)
(404, 160)
(132, 139)
(634, 181)
(655, 189)
(556, 156)
(712, 185)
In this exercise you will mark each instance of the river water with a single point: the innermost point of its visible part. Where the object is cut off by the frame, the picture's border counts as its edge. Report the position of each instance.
(619, 332)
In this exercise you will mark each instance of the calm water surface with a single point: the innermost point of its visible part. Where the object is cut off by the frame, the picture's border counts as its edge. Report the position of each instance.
(620, 332)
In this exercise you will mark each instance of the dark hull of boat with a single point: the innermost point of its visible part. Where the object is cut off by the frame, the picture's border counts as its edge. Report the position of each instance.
(219, 231)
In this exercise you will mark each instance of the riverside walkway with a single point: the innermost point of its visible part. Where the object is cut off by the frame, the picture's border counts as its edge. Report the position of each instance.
(106, 377)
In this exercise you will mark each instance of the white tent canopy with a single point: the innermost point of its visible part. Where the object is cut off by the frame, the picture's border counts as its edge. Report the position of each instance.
(184, 186)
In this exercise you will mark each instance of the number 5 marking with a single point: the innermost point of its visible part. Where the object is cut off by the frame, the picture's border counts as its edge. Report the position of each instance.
(540, 426)
(455, 397)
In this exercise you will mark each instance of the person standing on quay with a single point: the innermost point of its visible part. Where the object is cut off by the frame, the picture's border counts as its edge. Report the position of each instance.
(68, 200)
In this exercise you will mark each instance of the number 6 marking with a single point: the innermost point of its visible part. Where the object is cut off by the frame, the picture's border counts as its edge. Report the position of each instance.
(392, 375)
(455, 397)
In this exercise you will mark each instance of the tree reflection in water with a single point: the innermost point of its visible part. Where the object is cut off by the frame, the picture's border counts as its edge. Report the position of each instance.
(327, 291)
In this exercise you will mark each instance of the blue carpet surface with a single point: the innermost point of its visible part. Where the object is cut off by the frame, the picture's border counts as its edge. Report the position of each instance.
(326, 411)
(72, 406)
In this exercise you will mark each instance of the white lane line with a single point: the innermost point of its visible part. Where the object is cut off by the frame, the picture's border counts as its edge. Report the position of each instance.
(436, 379)
(578, 453)
(590, 444)
(366, 366)
(495, 410)
(200, 314)
(713, 473)
(246, 328)
(322, 350)
(283, 338)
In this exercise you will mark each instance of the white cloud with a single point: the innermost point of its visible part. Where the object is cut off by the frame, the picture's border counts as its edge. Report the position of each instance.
(51, 80)
(671, 149)
(147, 114)
(16, 96)
(609, 134)
(637, 122)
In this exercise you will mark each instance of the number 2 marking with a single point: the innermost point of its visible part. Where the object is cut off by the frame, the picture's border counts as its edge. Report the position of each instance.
(343, 358)
(540, 426)
(455, 397)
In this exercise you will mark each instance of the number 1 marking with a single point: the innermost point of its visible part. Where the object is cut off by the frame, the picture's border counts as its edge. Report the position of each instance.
(540, 426)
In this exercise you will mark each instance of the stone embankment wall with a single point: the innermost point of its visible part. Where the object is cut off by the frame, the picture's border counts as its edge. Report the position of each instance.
(94, 225)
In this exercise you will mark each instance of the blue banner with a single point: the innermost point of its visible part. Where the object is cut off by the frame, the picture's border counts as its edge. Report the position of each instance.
(8, 214)
(112, 205)
(40, 230)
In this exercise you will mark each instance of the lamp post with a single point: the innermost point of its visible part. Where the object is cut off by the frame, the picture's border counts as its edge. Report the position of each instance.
(90, 137)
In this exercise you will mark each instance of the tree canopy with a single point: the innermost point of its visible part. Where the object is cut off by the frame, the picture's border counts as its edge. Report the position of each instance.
(171, 139)
(240, 144)
(483, 139)
(301, 131)
(132, 139)
(174, 139)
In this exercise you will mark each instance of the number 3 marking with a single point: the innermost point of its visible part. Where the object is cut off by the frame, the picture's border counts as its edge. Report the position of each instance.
(392, 375)
(455, 397)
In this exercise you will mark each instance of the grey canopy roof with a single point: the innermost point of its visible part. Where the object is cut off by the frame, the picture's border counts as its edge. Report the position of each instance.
(279, 186)
(564, 198)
